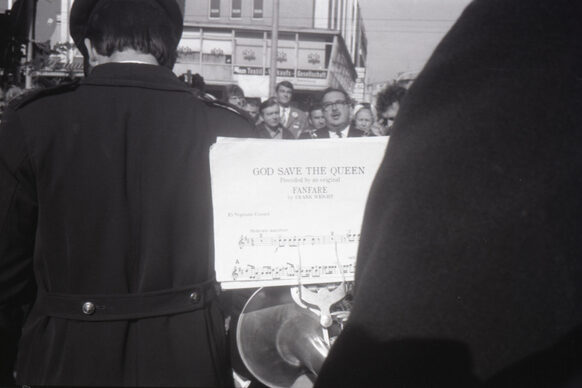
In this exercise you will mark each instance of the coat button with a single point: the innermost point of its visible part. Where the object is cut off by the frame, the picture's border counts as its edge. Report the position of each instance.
(88, 308)
(195, 296)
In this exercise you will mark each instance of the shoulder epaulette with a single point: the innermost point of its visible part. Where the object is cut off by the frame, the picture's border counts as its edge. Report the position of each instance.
(225, 105)
(34, 95)
(219, 104)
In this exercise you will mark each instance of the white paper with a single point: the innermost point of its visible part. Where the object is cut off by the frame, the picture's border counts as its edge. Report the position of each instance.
(290, 211)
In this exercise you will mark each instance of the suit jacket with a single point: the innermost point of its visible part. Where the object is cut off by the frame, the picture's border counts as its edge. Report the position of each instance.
(105, 204)
(263, 132)
(308, 133)
(296, 122)
(469, 264)
(323, 133)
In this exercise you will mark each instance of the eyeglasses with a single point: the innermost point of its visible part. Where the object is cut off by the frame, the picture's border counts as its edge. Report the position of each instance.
(331, 105)
(385, 121)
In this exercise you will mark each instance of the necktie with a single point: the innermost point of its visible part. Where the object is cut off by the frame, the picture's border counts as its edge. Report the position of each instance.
(339, 133)
(284, 116)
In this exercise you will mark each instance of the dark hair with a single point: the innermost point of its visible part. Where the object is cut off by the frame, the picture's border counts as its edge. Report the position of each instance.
(315, 106)
(198, 83)
(388, 96)
(329, 90)
(252, 102)
(232, 90)
(132, 24)
(287, 84)
(268, 103)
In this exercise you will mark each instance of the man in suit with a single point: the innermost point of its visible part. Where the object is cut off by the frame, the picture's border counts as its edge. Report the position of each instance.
(105, 208)
(316, 121)
(470, 259)
(292, 118)
(336, 105)
(270, 127)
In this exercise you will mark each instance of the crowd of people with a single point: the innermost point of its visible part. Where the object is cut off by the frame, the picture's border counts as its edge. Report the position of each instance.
(280, 117)
(331, 114)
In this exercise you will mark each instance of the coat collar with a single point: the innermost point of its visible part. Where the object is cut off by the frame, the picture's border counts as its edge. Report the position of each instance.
(136, 75)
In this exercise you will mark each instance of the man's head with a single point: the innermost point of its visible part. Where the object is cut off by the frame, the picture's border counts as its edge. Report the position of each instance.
(316, 117)
(252, 108)
(388, 103)
(198, 84)
(147, 27)
(270, 112)
(284, 92)
(336, 106)
(234, 95)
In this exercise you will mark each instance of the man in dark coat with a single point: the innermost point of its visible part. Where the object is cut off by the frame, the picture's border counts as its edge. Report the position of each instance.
(470, 263)
(336, 105)
(270, 127)
(105, 203)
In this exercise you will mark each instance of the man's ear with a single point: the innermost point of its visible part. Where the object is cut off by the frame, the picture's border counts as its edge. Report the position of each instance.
(93, 54)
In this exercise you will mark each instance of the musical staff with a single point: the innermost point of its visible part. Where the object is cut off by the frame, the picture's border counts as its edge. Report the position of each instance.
(288, 271)
(280, 241)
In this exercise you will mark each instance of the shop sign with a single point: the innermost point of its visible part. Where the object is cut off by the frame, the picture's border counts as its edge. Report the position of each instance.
(318, 74)
(282, 72)
(247, 70)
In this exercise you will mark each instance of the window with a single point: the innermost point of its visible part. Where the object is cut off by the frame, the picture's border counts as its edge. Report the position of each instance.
(257, 9)
(214, 9)
(236, 11)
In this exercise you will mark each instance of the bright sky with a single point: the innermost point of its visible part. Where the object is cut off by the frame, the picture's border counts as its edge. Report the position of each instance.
(403, 33)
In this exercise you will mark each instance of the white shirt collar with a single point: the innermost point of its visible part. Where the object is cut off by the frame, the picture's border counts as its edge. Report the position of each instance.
(344, 132)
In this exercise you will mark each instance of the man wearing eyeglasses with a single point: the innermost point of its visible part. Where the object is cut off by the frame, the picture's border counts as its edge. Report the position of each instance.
(387, 105)
(336, 106)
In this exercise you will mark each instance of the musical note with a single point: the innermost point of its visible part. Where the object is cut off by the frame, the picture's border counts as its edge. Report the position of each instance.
(295, 241)
(287, 271)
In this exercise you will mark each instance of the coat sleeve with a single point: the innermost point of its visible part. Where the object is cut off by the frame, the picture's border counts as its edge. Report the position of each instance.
(18, 215)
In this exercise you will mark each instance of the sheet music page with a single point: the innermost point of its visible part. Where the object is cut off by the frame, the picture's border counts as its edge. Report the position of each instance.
(285, 210)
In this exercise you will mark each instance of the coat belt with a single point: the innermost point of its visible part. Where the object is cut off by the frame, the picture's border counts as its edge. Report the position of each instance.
(95, 308)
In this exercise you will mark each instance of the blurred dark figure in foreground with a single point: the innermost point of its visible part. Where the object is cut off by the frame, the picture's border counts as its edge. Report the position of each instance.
(470, 263)
(2, 102)
(105, 207)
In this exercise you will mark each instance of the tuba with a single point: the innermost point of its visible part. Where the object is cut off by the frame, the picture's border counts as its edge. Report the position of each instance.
(285, 333)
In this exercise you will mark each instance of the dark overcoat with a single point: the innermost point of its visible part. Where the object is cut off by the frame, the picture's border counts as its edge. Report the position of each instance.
(469, 269)
(105, 198)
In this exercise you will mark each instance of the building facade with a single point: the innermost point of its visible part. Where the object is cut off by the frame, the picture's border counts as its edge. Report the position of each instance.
(320, 43)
